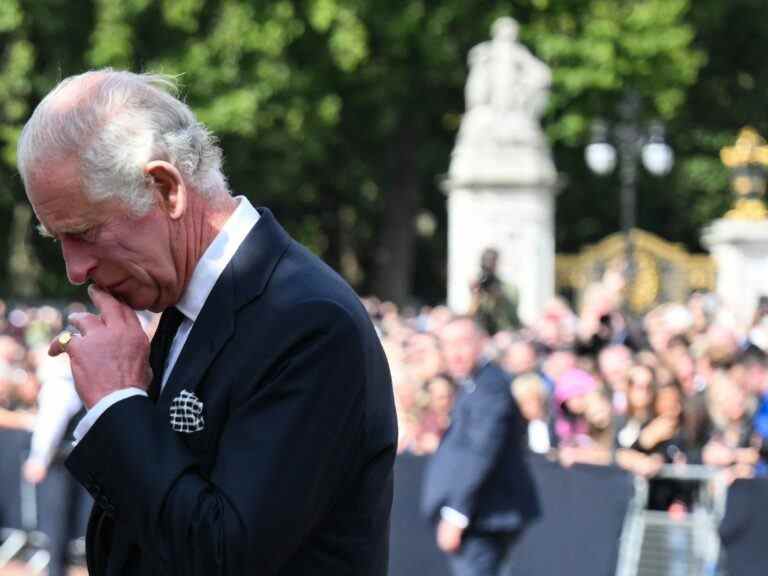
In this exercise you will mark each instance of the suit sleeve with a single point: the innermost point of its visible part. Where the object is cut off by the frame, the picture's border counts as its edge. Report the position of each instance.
(485, 436)
(282, 459)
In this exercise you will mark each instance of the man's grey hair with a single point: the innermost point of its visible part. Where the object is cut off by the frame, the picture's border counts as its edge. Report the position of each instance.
(115, 122)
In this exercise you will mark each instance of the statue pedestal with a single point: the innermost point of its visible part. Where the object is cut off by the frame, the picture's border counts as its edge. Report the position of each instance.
(740, 249)
(501, 183)
(519, 222)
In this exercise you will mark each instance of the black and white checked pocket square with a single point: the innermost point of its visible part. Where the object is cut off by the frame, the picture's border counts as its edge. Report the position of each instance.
(187, 413)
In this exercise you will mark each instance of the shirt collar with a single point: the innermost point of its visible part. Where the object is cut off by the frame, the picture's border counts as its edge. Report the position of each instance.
(216, 257)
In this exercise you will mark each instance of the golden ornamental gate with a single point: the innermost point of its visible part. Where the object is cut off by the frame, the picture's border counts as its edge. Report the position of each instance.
(664, 271)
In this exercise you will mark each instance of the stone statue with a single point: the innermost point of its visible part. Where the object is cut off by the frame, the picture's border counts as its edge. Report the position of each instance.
(501, 182)
(506, 92)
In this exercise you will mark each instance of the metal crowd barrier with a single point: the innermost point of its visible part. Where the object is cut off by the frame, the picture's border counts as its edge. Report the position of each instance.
(24, 539)
(660, 543)
(597, 521)
(27, 509)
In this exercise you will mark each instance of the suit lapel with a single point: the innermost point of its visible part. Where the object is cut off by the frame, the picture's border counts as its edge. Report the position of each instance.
(244, 279)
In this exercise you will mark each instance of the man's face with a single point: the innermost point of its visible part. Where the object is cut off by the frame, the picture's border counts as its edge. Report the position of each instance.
(520, 358)
(462, 346)
(615, 364)
(129, 257)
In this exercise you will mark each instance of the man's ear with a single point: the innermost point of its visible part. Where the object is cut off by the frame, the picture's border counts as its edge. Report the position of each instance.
(170, 187)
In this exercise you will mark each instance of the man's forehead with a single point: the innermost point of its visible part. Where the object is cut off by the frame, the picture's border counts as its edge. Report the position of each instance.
(59, 203)
(459, 328)
(51, 176)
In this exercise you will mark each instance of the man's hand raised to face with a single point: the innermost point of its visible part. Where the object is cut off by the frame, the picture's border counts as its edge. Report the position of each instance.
(110, 353)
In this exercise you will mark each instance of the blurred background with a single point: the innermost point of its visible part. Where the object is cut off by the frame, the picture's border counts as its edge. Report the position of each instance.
(586, 179)
(341, 115)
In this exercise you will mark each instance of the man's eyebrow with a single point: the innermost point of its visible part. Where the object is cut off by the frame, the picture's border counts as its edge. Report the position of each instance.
(44, 232)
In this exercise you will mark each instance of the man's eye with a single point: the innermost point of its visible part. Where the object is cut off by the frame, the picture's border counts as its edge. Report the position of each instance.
(86, 235)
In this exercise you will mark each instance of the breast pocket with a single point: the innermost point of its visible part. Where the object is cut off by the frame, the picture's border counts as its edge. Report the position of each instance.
(189, 419)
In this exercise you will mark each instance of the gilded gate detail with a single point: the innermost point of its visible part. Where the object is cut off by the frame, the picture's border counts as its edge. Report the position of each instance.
(664, 271)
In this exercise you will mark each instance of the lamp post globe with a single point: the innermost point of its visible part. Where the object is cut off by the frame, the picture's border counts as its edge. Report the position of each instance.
(658, 157)
(600, 157)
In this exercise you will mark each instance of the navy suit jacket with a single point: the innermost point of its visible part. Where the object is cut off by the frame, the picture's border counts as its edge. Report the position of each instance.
(292, 473)
(480, 468)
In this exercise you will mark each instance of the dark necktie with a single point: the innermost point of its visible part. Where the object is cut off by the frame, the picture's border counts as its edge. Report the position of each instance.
(161, 345)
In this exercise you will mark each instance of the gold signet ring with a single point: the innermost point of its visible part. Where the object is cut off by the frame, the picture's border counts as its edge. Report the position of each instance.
(64, 339)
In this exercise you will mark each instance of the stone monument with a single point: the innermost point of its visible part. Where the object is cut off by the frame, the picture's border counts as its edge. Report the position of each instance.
(501, 182)
(739, 241)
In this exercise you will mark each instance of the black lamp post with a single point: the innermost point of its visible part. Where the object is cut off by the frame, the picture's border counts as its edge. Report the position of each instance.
(633, 143)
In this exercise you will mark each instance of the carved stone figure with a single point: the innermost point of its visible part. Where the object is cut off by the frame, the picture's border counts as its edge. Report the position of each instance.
(506, 92)
(501, 182)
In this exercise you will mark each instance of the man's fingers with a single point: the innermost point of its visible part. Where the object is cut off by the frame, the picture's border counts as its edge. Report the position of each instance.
(84, 322)
(55, 348)
(63, 343)
(110, 307)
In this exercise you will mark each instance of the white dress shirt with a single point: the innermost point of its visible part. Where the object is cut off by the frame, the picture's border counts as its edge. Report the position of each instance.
(206, 274)
(57, 403)
(539, 440)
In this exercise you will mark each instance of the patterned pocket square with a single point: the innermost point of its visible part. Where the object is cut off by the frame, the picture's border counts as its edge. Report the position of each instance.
(187, 413)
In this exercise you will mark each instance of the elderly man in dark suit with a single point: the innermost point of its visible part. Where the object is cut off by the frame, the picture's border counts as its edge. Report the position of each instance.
(478, 489)
(262, 439)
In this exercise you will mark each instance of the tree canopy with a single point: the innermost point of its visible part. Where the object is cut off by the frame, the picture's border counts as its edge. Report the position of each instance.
(340, 115)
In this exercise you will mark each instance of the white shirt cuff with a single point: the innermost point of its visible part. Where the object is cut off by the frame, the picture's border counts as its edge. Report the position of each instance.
(100, 407)
(454, 517)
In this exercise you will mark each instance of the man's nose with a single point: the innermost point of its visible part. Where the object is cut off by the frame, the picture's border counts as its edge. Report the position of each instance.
(78, 261)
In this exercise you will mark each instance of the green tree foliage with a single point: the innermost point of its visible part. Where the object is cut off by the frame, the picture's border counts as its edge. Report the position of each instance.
(340, 115)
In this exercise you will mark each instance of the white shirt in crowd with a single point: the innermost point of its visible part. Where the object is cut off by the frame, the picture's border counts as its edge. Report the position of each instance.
(57, 403)
(539, 440)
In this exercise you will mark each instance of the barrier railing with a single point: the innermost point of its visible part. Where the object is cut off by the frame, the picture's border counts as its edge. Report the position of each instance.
(665, 542)
(30, 526)
(595, 522)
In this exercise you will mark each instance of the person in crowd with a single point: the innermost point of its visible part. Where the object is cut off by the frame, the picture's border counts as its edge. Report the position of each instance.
(733, 442)
(755, 363)
(573, 390)
(722, 345)
(614, 363)
(703, 307)
(408, 400)
(664, 438)
(601, 321)
(665, 434)
(494, 304)
(641, 392)
(531, 393)
(556, 364)
(441, 393)
(477, 489)
(59, 411)
(583, 419)
(692, 383)
(422, 356)
(520, 357)
(16, 410)
(640, 402)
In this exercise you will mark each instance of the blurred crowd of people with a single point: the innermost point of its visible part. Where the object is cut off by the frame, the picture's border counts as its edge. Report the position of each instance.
(25, 333)
(682, 384)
